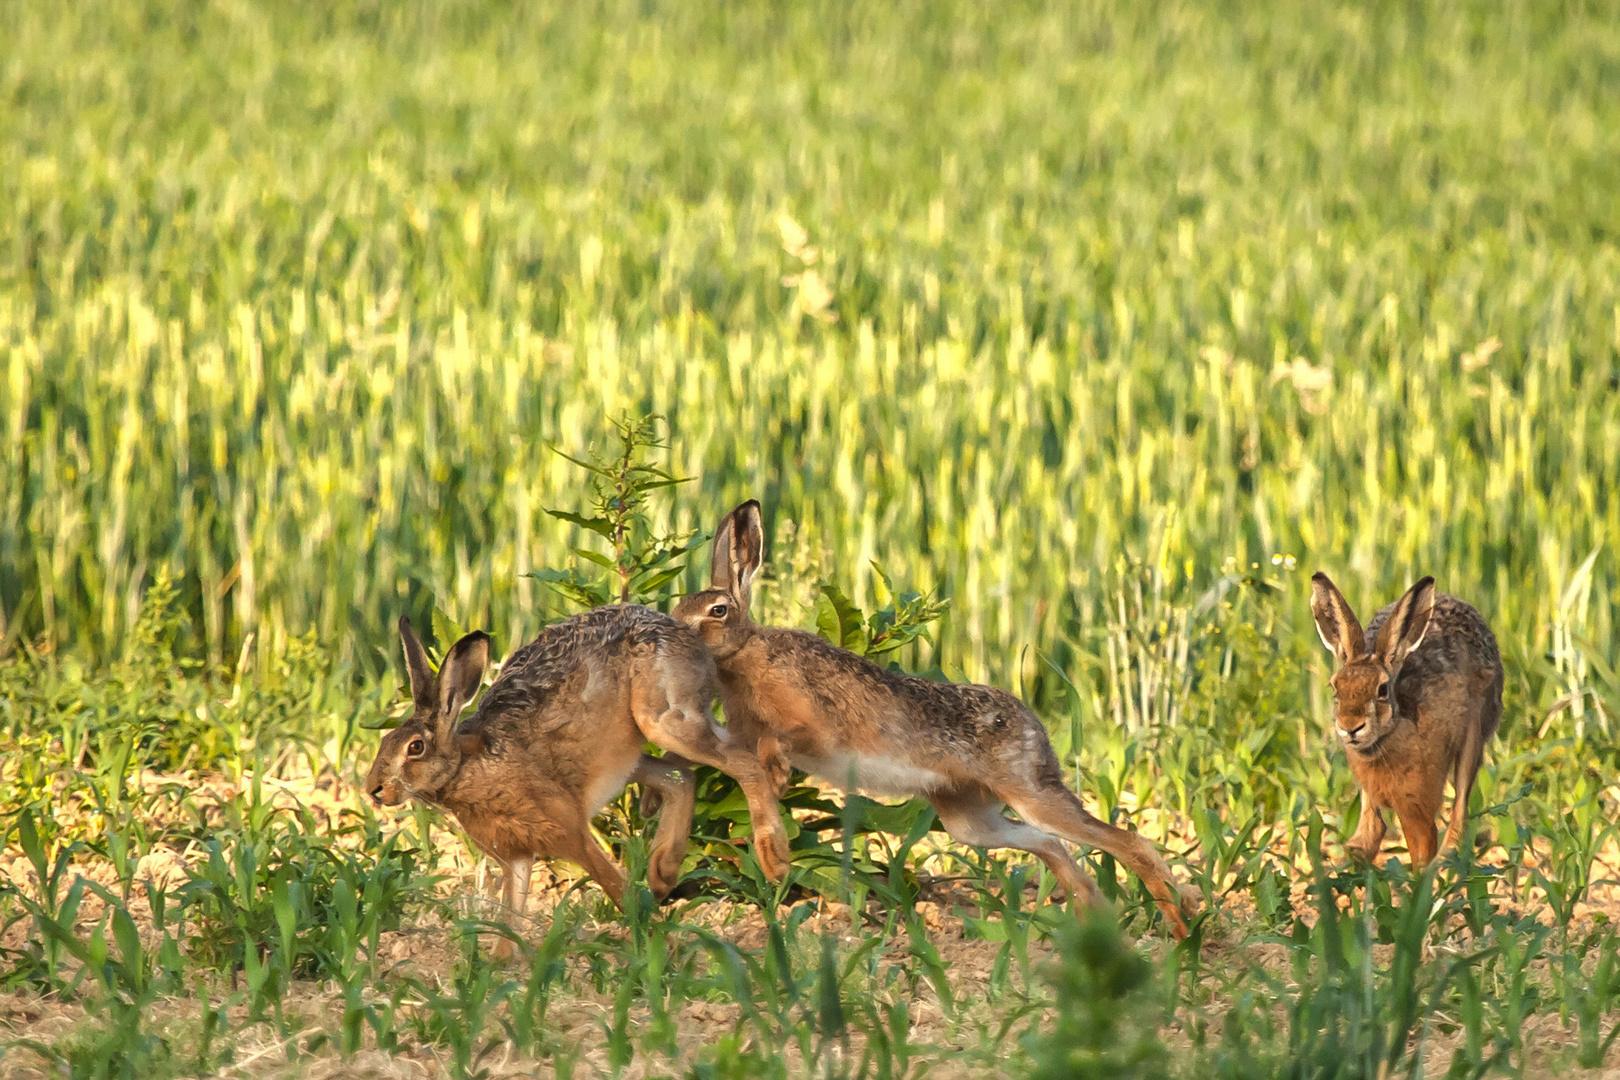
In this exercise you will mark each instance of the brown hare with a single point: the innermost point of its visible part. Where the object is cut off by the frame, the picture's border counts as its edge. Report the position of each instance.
(557, 735)
(799, 701)
(1417, 696)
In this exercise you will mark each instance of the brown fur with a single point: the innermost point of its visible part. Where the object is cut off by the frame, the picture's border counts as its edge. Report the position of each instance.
(556, 736)
(1417, 696)
(798, 701)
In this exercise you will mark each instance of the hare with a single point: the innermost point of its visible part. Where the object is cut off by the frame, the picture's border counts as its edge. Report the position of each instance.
(557, 735)
(1416, 698)
(801, 702)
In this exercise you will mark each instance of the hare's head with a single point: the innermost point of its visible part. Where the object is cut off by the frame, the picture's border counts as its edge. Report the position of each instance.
(421, 755)
(720, 613)
(1364, 704)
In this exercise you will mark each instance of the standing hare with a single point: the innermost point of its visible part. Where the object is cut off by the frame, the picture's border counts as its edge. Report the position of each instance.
(969, 750)
(1415, 699)
(556, 736)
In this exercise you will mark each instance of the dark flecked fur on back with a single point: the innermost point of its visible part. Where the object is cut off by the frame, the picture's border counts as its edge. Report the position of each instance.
(616, 634)
(1458, 642)
(964, 718)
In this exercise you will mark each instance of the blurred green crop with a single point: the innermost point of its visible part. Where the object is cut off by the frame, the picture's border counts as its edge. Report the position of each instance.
(293, 298)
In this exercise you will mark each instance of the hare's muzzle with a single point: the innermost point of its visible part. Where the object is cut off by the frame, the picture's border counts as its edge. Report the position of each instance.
(386, 794)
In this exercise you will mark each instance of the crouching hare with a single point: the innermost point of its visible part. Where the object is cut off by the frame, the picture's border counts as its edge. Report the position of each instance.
(1417, 696)
(798, 701)
(556, 736)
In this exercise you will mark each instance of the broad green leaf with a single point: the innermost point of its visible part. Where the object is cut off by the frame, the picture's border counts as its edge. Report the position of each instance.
(838, 620)
(653, 582)
(446, 630)
(594, 556)
(599, 525)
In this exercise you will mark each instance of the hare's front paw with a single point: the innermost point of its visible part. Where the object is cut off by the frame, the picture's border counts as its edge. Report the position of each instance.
(778, 769)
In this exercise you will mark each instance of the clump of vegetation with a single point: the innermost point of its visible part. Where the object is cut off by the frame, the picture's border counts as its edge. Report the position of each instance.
(1104, 1023)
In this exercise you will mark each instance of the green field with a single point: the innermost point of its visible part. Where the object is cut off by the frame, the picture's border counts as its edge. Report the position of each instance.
(1105, 323)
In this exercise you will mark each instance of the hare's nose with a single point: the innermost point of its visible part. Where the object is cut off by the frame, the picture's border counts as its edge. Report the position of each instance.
(376, 795)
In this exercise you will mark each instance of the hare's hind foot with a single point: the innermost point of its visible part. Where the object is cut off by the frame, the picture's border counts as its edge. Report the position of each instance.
(1191, 901)
(1055, 809)
(1356, 856)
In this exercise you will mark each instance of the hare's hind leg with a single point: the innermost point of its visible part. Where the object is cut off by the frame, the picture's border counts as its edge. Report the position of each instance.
(1053, 807)
(1463, 775)
(668, 778)
(975, 818)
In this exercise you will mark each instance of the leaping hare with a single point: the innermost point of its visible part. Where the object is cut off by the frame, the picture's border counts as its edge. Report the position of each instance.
(557, 735)
(967, 749)
(1417, 696)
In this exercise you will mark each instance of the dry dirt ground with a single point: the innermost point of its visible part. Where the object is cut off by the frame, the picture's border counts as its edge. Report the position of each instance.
(426, 947)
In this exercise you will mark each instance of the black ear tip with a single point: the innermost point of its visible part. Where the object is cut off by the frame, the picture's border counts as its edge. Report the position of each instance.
(1320, 578)
(472, 639)
(404, 624)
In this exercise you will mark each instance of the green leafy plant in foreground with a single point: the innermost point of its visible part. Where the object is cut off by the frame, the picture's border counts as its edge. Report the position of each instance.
(1105, 1014)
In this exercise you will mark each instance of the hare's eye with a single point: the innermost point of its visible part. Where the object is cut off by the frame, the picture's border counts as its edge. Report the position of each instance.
(415, 749)
(718, 611)
(1383, 691)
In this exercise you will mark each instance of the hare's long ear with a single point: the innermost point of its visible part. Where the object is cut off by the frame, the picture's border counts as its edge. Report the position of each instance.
(1336, 623)
(1408, 621)
(739, 545)
(720, 556)
(424, 684)
(459, 679)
